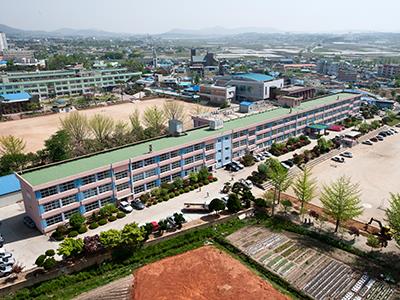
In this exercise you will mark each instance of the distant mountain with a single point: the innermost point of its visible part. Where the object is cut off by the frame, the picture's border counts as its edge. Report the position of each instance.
(64, 32)
(218, 31)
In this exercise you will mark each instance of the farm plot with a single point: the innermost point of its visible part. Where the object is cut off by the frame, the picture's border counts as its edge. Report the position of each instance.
(308, 269)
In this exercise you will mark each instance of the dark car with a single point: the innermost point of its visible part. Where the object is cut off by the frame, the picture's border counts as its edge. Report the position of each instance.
(289, 163)
(29, 222)
(374, 139)
(232, 167)
(1, 240)
(137, 204)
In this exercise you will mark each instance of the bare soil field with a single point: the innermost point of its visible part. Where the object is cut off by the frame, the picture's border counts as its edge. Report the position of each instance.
(37, 129)
(202, 274)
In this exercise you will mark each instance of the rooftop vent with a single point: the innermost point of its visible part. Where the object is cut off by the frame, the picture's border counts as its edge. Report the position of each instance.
(216, 124)
(175, 127)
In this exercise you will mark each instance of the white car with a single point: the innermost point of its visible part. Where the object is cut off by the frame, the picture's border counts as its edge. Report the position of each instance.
(4, 254)
(256, 158)
(5, 270)
(225, 199)
(7, 261)
(247, 183)
(125, 207)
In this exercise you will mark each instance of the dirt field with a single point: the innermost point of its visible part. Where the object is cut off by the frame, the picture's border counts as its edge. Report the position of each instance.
(377, 170)
(36, 130)
(205, 273)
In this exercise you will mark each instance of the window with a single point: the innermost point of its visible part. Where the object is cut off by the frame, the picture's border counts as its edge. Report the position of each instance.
(51, 205)
(92, 206)
(48, 191)
(122, 186)
(209, 147)
(67, 186)
(198, 147)
(89, 193)
(210, 157)
(138, 177)
(165, 179)
(68, 200)
(189, 160)
(71, 212)
(176, 164)
(149, 161)
(139, 189)
(252, 132)
(105, 188)
(198, 157)
(176, 175)
(165, 168)
(88, 179)
(103, 175)
(151, 172)
(174, 153)
(164, 156)
(106, 201)
(137, 165)
(151, 185)
(189, 149)
(122, 174)
(54, 219)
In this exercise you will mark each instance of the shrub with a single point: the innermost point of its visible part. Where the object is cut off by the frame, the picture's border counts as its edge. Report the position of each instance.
(191, 187)
(166, 198)
(50, 252)
(112, 218)
(196, 185)
(206, 182)
(201, 184)
(49, 263)
(94, 225)
(40, 260)
(187, 189)
(62, 229)
(372, 241)
(181, 191)
(82, 229)
(102, 222)
(76, 221)
(57, 236)
(120, 215)
(171, 195)
(73, 233)
(214, 179)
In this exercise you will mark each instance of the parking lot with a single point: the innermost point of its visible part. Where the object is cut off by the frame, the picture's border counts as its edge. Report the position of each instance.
(375, 167)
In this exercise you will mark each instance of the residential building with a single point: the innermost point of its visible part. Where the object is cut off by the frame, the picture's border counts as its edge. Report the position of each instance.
(3, 42)
(19, 55)
(389, 71)
(217, 94)
(83, 185)
(47, 84)
(251, 86)
(326, 67)
(299, 91)
(347, 75)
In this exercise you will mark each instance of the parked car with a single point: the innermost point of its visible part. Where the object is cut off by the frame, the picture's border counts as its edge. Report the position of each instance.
(125, 207)
(226, 188)
(238, 164)
(5, 270)
(347, 154)
(382, 134)
(367, 142)
(267, 154)
(379, 138)
(285, 166)
(289, 162)
(338, 159)
(171, 221)
(1, 240)
(136, 204)
(256, 158)
(375, 139)
(29, 222)
(232, 167)
(225, 199)
(393, 130)
(4, 253)
(246, 183)
(7, 261)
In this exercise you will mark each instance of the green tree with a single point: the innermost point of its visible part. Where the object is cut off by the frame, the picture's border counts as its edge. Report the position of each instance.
(110, 238)
(279, 179)
(76, 125)
(233, 204)
(393, 215)
(13, 162)
(304, 187)
(373, 241)
(70, 247)
(178, 183)
(76, 221)
(102, 128)
(132, 235)
(154, 119)
(341, 200)
(121, 134)
(287, 205)
(364, 128)
(203, 174)
(216, 205)
(324, 145)
(137, 128)
(11, 145)
(58, 146)
(193, 177)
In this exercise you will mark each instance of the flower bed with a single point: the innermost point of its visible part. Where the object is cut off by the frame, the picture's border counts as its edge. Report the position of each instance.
(291, 144)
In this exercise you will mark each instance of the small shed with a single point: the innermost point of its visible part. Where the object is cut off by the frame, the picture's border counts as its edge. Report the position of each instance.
(246, 107)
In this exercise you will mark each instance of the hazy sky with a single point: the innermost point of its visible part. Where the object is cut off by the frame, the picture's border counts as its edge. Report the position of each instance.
(157, 16)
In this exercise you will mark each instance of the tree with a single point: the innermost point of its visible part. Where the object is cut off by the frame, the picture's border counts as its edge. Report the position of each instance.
(58, 146)
(178, 183)
(132, 235)
(324, 145)
(279, 180)
(76, 125)
(110, 238)
(393, 215)
(121, 135)
(70, 247)
(137, 128)
(216, 205)
(92, 244)
(233, 205)
(341, 200)
(154, 119)
(287, 205)
(102, 128)
(11, 145)
(373, 241)
(107, 210)
(193, 177)
(304, 187)
(174, 110)
(364, 128)
(76, 221)
(203, 174)
(13, 162)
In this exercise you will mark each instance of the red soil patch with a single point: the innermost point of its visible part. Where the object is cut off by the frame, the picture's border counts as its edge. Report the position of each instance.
(205, 273)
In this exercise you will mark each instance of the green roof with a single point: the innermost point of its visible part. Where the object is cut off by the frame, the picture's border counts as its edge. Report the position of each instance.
(79, 165)
(318, 126)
